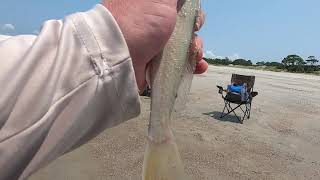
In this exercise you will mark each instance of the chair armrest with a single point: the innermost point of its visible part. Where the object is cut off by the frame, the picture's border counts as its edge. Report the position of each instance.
(254, 94)
(220, 89)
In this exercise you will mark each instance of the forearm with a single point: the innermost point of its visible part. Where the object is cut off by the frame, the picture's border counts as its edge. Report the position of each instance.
(62, 88)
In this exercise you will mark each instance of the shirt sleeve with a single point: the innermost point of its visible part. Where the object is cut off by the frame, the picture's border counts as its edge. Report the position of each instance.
(61, 88)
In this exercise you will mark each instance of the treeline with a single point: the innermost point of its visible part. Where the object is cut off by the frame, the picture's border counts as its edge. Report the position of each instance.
(291, 63)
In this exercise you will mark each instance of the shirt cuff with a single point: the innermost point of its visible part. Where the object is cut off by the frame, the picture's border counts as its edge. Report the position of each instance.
(109, 42)
(107, 34)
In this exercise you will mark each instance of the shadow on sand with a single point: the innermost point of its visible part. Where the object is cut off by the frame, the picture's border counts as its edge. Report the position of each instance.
(216, 115)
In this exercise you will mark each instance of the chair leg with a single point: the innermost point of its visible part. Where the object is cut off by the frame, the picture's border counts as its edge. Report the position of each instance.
(233, 111)
(223, 114)
(244, 115)
(225, 106)
(249, 111)
(245, 112)
(230, 110)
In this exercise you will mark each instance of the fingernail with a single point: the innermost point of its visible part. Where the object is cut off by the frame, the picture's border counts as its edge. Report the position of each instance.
(197, 25)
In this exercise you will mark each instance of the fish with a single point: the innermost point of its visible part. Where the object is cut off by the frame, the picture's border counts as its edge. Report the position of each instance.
(171, 77)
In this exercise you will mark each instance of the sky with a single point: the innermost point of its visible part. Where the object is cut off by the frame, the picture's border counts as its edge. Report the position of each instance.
(252, 29)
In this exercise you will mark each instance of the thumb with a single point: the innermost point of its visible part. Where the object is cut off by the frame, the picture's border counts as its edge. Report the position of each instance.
(140, 74)
(152, 68)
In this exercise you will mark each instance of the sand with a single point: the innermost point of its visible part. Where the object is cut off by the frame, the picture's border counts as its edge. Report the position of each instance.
(280, 141)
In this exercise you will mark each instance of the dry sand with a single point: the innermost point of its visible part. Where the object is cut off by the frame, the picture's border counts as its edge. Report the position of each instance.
(280, 141)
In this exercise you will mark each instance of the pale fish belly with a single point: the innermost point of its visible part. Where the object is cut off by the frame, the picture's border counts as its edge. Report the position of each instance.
(170, 82)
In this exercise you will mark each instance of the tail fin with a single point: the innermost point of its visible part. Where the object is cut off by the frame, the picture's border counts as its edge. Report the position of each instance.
(162, 162)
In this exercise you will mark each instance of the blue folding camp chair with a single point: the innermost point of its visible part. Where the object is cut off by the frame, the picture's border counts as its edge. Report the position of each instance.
(236, 98)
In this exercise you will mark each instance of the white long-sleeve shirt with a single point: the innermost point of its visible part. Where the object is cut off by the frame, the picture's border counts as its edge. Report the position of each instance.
(61, 88)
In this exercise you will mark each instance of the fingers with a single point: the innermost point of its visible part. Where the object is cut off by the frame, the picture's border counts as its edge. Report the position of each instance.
(140, 74)
(201, 67)
(200, 21)
(197, 48)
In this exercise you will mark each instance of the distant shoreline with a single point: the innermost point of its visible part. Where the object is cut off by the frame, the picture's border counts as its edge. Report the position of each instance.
(266, 68)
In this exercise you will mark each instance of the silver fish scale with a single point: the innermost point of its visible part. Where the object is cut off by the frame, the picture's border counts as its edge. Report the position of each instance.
(172, 74)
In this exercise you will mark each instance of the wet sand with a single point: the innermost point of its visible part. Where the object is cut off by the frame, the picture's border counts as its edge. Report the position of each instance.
(280, 141)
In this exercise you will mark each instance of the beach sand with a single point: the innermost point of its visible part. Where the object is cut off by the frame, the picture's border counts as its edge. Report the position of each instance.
(280, 141)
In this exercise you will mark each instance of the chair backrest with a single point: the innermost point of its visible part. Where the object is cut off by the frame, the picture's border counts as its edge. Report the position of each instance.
(240, 79)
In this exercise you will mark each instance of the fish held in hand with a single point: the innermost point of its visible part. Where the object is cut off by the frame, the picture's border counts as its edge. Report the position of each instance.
(171, 76)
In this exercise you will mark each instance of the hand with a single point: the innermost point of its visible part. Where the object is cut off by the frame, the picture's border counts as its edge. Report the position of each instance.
(147, 26)
(197, 47)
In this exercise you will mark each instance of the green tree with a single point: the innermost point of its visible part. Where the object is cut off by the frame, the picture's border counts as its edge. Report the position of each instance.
(218, 61)
(293, 60)
(242, 62)
(312, 60)
(261, 63)
(276, 64)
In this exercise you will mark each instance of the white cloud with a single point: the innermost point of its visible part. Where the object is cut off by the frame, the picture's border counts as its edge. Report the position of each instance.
(234, 56)
(8, 27)
(211, 54)
(36, 32)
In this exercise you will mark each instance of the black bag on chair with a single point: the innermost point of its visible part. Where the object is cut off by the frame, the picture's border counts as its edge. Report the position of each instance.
(243, 101)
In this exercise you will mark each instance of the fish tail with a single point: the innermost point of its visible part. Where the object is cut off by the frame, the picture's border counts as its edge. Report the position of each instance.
(162, 162)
